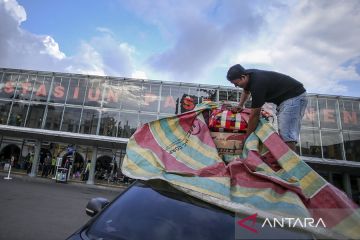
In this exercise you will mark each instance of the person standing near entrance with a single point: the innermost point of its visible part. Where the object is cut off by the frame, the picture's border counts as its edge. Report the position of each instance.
(47, 165)
(87, 171)
(12, 161)
(267, 86)
(31, 158)
(53, 165)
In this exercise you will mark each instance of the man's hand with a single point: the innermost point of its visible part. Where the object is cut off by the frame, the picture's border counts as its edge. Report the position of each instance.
(237, 109)
(253, 120)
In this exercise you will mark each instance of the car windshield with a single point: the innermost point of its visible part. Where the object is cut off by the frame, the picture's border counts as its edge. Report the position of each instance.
(145, 213)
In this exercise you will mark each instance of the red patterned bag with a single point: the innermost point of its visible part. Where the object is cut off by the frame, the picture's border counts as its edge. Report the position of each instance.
(224, 120)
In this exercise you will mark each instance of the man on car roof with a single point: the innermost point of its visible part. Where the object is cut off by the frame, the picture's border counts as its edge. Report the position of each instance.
(267, 86)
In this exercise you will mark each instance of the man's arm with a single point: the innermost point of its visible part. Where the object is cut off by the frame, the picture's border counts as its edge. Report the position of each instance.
(253, 120)
(243, 98)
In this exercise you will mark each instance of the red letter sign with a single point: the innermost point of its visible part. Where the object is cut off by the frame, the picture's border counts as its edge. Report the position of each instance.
(9, 87)
(350, 118)
(59, 91)
(41, 91)
(169, 102)
(310, 114)
(329, 115)
(111, 96)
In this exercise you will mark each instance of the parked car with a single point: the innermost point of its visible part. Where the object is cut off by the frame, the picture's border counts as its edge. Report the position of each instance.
(155, 210)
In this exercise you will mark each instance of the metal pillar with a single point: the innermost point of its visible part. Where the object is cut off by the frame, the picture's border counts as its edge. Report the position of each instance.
(92, 167)
(347, 184)
(36, 159)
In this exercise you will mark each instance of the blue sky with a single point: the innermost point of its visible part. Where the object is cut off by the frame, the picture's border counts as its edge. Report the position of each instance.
(317, 42)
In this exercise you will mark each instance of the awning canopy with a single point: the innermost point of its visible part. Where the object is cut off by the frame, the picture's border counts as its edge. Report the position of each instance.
(65, 137)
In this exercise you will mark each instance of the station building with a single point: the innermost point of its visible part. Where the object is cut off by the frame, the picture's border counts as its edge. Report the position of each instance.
(90, 118)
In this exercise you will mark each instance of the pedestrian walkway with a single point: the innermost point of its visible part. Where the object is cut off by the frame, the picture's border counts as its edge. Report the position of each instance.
(26, 177)
(39, 208)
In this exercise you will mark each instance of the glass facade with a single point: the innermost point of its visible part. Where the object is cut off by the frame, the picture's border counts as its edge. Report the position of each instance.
(18, 114)
(94, 105)
(115, 107)
(330, 128)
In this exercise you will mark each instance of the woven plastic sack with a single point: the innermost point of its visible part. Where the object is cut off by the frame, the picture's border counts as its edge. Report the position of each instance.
(224, 120)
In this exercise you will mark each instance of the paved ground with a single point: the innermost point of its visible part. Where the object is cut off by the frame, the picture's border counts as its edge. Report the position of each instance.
(35, 208)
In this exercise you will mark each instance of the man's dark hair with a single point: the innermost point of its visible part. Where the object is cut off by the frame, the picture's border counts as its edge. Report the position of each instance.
(235, 72)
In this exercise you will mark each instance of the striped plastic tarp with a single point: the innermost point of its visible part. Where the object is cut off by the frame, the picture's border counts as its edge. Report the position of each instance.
(268, 178)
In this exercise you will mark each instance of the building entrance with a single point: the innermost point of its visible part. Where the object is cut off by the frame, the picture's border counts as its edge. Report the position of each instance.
(103, 167)
(77, 162)
(8, 152)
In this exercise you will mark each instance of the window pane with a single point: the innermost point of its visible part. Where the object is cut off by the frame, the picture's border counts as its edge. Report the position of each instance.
(76, 91)
(310, 143)
(150, 98)
(338, 181)
(8, 85)
(18, 114)
(145, 118)
(59, 89)
(53, 117)
(109, 123)
(4, 111)
(328, 113)
(352, 146)
(130, 97)
(311, 116)
(41, 88)
(35, 116)
(331, 145)
(22, 82)
(25, 86)
(355, 188)
(229, 95)
(223, 95)
(170, 98)
(350, 115)
(128, 124)
(194, 93)
(71, 120)
(233, 96)
(94, 92)
(89, 121)
(207, 94)
(112, 94)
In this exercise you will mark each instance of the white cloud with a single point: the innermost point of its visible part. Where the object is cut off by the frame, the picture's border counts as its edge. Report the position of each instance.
(316, 40)
(52, 48)
(15, 10)
(139, 74)
(101, 55)
(19, 48)
(253, 57)
(199, 33)
(105, 30)
(87, 61)
(309, 40)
